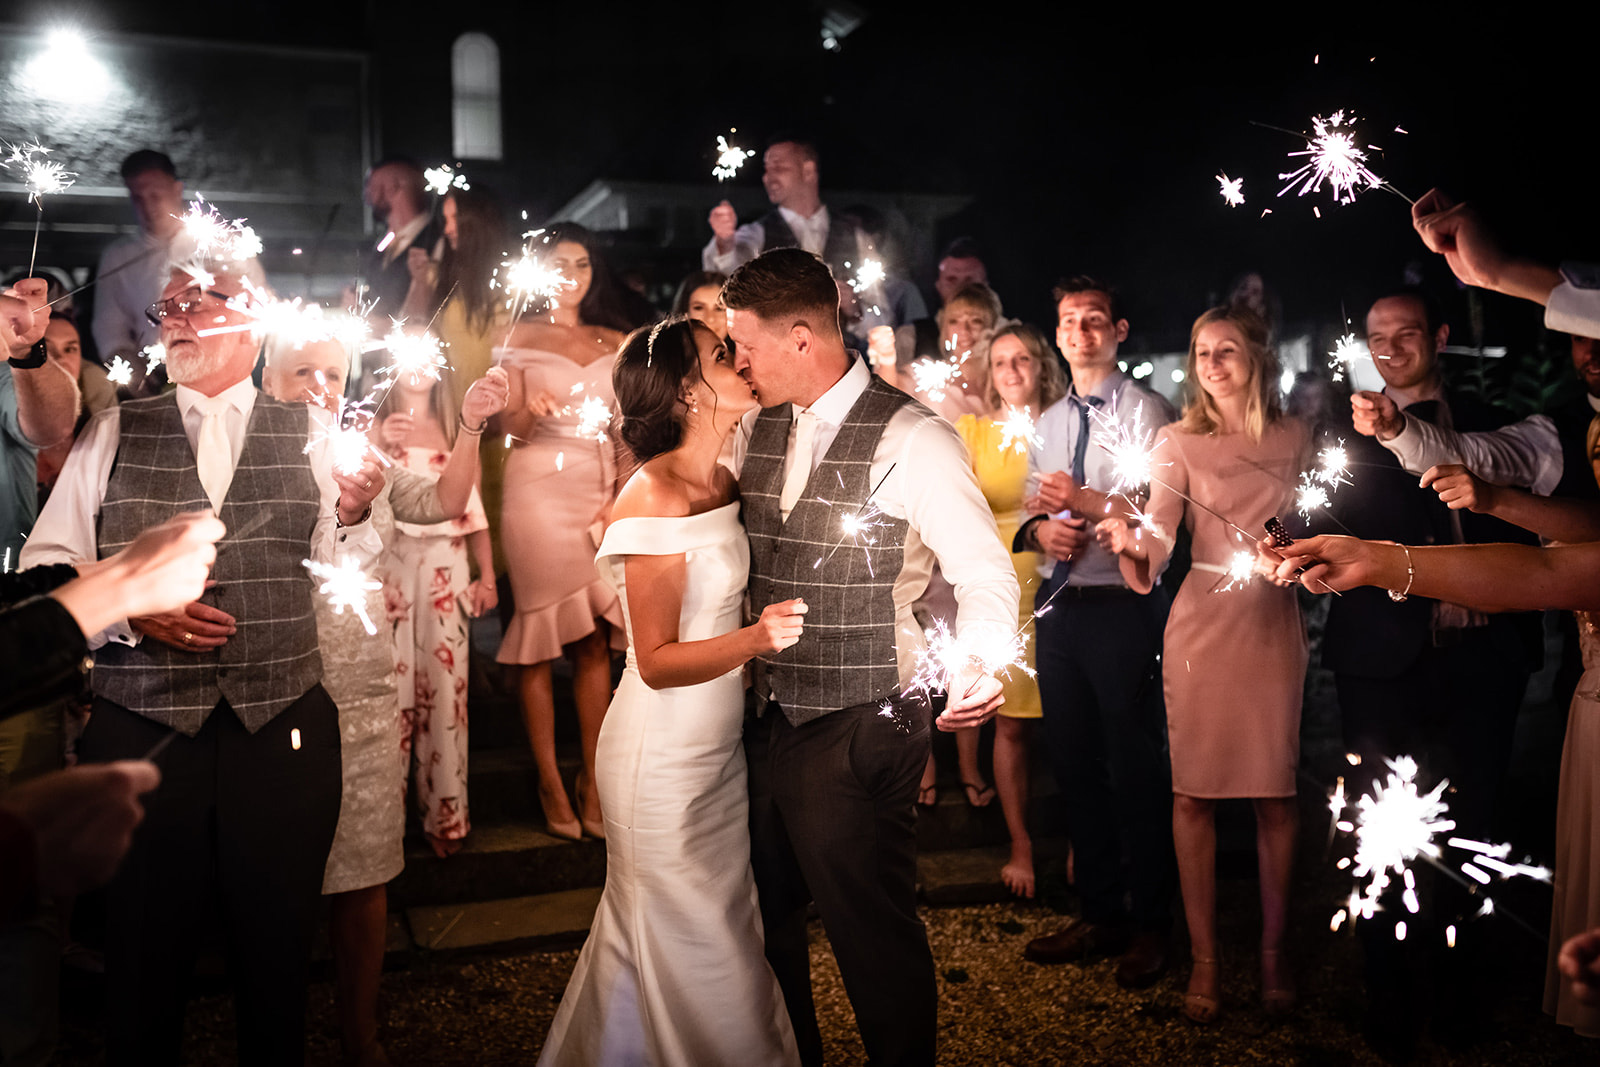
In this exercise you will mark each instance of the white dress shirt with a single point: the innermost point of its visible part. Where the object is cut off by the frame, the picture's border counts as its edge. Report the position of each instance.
(1525, 454)
(1573, 310)
(924, 476)
(748, 240)
(66, 530)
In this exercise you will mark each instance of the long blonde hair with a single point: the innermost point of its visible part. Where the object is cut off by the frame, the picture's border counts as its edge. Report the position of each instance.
(1262, 406)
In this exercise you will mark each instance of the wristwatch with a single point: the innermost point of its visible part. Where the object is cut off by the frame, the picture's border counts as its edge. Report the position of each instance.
(35, 357)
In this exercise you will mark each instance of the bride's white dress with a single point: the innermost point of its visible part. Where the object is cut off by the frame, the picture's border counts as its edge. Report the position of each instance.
(673, 971)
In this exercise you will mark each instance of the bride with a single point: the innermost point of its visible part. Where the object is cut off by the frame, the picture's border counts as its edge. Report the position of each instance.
(673, 971)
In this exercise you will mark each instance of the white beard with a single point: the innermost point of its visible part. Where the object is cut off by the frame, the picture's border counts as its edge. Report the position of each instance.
(191, 362)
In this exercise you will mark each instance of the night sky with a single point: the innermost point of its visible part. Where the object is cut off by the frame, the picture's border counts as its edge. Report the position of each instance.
(1087, 137)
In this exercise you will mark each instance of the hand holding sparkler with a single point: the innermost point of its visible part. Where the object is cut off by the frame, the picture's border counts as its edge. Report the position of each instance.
(163, 569)
(724, 221)
(1460, 488)
(1336, 562)
(1119, 538)
(1062, 538)
(24, 315)
(81, 820)
(195, 627)
(779, 626)
(1376, 415)
(1455, 231)
(358, 490)
(1057, 492)
(486, 397)
(975, 698)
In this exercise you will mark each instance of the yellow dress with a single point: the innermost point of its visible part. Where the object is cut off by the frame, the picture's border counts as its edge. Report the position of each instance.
(470, 354)
(1002, 473)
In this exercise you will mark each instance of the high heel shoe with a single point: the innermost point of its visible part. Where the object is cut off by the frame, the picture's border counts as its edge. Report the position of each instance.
(592, 827)
(1276, 1000)
(565, 829)
(1203, 1008)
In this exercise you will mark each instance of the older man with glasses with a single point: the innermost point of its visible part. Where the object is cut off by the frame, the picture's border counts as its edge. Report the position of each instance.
(227, 689)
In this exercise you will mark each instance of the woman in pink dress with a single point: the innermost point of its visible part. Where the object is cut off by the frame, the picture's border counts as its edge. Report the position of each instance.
(1234, 660)
(560, 480)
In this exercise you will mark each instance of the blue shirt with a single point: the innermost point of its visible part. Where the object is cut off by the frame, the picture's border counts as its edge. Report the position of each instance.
(1126, 407)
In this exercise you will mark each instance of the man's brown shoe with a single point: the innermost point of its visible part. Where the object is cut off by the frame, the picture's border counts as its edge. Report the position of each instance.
(1145, 961)
(1079, 941)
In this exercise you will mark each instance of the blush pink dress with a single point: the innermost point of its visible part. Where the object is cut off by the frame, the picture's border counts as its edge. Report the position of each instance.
(557, 485)
(1234, 659)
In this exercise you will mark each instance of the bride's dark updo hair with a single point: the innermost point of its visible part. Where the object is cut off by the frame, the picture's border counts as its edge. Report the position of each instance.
(654, 367)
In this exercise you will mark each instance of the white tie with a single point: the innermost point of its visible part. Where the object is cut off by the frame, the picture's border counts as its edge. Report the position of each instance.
(213, 453)
(794, 483)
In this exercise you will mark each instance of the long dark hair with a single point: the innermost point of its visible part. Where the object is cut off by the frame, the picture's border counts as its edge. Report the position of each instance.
(653, 368)
(466, 269)
(696, 280)
(602, 305)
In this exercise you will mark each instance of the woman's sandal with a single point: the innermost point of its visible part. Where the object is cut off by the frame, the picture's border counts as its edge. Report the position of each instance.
(1276, 1000)
(927, 796)
(978, 796)
(1199, 1007)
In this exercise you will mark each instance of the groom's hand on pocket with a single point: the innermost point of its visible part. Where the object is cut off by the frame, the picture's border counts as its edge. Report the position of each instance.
(779, 626)
(973, 701)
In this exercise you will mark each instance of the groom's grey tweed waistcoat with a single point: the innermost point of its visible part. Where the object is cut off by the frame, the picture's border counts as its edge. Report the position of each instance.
(272, 660)
(846, 653)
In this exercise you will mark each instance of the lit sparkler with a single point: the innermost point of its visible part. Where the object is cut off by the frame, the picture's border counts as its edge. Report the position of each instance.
(870, 273)
(120, 372)
(1310, 495)
(1396, 824)
(527, 278)
(346, 585)
(346, 438)
(1333, 466)
(443, 178)
(154, 355)
(216, 237)
(593, 418)
(1017, 431)
(729, 159)
(1241, 570)
(1232, 189)
(413, 355)
(933, 377)
(978, 651)
(1347, 351)
(1334, 158)
(42, 177)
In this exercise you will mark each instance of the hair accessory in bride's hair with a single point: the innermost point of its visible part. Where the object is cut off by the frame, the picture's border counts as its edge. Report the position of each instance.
(650, 343)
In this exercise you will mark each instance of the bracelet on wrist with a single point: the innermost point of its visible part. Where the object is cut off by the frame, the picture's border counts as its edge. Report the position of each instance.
(340, 524)
(1411, 576)
(461, 425)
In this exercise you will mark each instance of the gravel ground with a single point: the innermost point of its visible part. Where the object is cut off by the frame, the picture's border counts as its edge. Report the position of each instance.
(994, 1008)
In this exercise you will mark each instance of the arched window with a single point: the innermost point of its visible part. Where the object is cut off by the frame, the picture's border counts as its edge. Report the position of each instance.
(475, 91)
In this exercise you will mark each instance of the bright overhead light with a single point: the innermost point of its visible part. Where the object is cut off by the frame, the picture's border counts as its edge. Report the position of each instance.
(66, 70)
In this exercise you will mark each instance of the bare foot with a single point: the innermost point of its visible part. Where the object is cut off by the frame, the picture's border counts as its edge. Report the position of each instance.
(444, 848)
(1017, 874)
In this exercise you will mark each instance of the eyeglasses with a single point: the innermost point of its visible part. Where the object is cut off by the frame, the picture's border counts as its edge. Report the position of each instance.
(189, 302)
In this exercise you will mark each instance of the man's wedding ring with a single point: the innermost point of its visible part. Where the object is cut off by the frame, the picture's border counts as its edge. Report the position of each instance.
(188, 638)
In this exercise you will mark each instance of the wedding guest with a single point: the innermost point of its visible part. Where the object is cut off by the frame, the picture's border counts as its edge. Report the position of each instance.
(1024, 379)
(1232, 453)
(699, 297)
(560, 480)
(798, 219)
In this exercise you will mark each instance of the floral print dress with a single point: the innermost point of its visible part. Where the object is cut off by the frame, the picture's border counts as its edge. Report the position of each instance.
(425, 577)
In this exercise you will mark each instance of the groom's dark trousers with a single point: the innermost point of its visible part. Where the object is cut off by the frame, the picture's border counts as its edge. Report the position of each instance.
(833, 819)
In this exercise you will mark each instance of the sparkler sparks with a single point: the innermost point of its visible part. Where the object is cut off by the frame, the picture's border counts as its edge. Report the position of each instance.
(345, 585)
(1347, 352)
(870, 273)
(346, 437)
(1333, 466)
(729, 159)
(154, 355)
(1241, 570)
(443, 178)
(120, 372)
(1310, 496)
(933, 376)
(527, 278)
(977, 652)
(216, 237)
(1232, 189)
(593, 418)
(42, 177)
(1017, 432)
(412, 355)
(1333, 158)
(1396, 824)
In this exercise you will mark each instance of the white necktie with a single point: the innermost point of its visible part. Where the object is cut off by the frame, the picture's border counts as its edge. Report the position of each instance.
(213, 453)
(794, 483)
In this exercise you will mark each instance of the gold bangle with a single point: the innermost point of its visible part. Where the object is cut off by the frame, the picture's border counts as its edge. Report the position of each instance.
(1411, 576)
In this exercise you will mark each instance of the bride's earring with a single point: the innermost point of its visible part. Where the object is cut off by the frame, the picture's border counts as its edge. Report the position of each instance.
(688, 400)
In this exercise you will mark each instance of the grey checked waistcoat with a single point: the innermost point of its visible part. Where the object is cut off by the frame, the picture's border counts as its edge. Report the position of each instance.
(272, 660)
(846, 653)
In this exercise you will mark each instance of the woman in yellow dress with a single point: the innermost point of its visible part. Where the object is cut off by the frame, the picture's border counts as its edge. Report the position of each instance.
(1024, 378)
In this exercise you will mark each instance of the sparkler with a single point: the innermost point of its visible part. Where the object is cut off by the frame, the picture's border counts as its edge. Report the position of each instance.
(527, 278)
(978, 651)
(1396, 824)
(1241, 570)
(120, 372)
(1333, 465)
(154, 355)
(933, 376)
(1232, 189)
(442, 179)
(1347, 351)
(1017, 431)
(1334, 158)
(42, 177)
(1310, 495)
(346, 436)
(412, 355)
(870, 273)
(729, 159)
(593, 418)
(216, 237)
(345, 585)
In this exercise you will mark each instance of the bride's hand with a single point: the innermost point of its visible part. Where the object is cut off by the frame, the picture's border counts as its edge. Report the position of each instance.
(779, 626)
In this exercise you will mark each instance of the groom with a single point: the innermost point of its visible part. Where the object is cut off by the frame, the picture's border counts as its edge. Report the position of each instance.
(837, 751)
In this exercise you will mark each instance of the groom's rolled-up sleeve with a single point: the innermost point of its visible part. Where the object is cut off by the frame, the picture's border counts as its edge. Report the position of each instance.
(947, 509)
